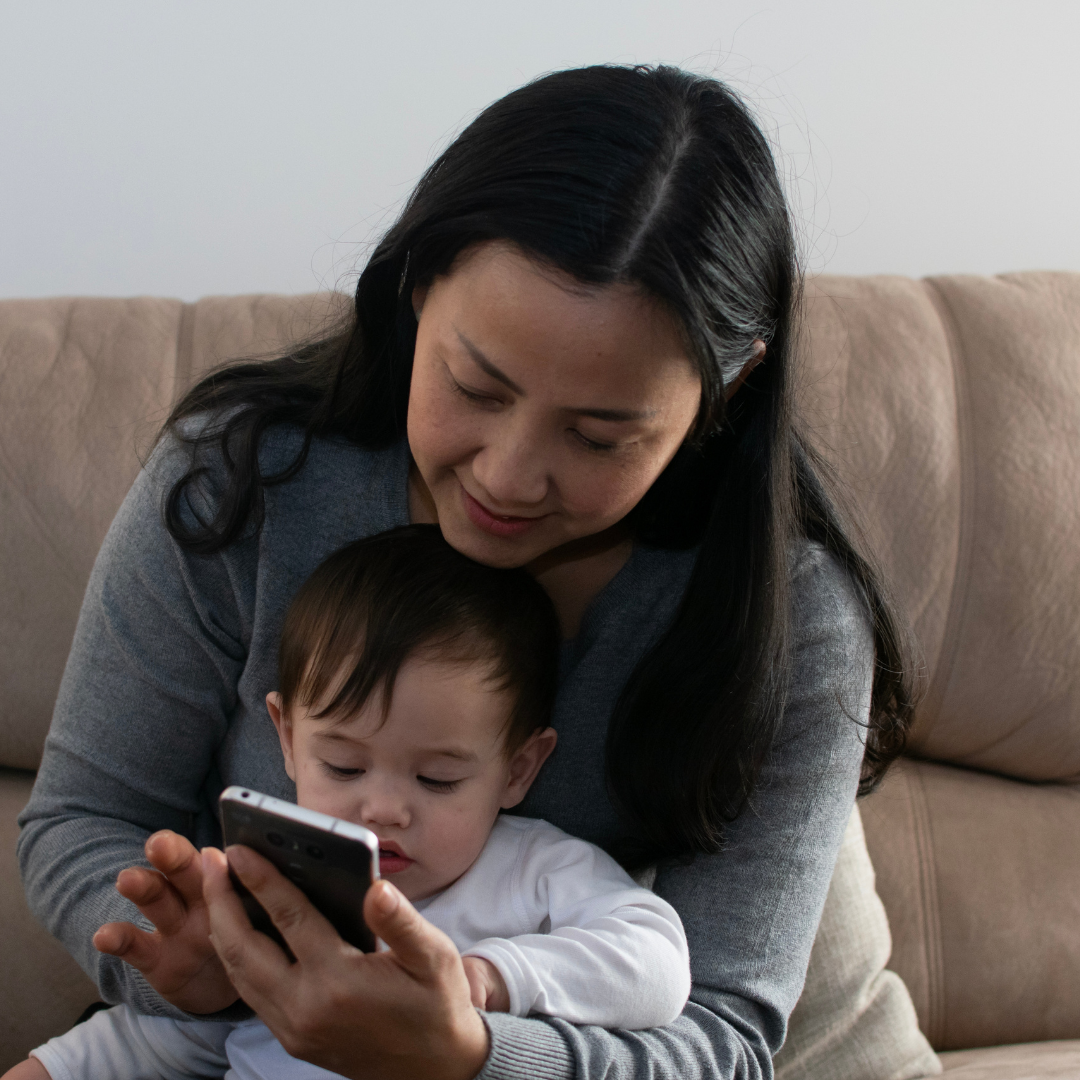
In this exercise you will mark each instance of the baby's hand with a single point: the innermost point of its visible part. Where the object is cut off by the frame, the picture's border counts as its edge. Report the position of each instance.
(177, 959)
(487, 985)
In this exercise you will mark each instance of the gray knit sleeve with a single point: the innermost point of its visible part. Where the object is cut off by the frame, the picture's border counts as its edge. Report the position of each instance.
(751, 911)
(143, 704)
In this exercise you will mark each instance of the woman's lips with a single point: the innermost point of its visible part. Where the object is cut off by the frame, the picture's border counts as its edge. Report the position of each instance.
(497, 525)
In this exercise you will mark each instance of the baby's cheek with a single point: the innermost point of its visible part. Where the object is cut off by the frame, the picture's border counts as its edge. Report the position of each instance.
(315, 792)
(459, 839)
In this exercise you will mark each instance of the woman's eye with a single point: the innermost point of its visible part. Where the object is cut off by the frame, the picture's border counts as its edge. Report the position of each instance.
(592, 444)
(438, 785)
(472, 395)
(338, 772)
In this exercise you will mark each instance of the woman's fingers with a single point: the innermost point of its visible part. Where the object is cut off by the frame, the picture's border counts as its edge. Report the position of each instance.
(252, 961)
(401, 1013)
(421, 949)
(134, 946)
(307, 931)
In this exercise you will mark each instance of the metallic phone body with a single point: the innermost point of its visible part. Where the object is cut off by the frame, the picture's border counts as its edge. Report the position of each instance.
(333, 862)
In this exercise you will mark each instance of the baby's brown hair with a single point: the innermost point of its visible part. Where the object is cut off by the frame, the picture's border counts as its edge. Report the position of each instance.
(377, 601)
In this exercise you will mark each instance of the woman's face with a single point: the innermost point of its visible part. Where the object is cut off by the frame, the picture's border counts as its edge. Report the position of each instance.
(540, 411)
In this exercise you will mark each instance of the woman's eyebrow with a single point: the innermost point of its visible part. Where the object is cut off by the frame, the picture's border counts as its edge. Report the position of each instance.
(486, 366)
(616, 414)
(489, 368)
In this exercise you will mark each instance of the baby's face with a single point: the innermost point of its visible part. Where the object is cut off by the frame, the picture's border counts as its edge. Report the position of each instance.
(429, 782)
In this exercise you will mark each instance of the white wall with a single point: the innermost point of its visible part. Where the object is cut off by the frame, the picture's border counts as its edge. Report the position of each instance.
(183, 148)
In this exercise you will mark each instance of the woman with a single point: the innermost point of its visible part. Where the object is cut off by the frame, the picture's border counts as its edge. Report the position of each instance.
(573, 352)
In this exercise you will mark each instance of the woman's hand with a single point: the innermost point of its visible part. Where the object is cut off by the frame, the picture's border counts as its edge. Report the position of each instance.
(486, 984)
(177, 959)
(403, 1014)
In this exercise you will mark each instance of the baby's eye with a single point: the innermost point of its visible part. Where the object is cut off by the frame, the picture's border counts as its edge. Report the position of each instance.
(438, 785)
(338, 772)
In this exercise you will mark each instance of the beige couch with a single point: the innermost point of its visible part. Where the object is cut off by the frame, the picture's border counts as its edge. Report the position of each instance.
(952, 408)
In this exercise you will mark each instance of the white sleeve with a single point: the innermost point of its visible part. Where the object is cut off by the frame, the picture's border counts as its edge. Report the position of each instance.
(615, 954)
(122, 1044)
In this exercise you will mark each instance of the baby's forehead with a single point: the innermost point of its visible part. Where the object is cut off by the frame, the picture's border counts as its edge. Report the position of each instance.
(432, 702)
(408, 740)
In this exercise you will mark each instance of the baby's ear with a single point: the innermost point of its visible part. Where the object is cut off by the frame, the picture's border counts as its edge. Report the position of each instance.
(274, 706)
(525, 763)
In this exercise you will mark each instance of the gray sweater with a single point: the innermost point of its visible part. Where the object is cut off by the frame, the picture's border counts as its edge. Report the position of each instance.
(162, 705)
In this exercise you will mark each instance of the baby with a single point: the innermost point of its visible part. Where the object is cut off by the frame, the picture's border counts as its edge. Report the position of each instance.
(415, 690)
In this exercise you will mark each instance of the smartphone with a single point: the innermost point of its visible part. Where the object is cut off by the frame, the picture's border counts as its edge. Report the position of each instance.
(333, 862)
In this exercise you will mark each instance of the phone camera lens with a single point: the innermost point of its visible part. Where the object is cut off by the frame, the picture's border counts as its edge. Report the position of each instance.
(275, 838)
(314, 851)
(245, 794)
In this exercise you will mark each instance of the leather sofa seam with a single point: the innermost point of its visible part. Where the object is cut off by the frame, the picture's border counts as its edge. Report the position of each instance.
(185, 351)
(941, 673)
(929, 899)
(11, 473)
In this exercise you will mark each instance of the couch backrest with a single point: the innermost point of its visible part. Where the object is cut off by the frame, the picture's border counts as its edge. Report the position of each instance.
(84, 386)
(950, 406)
(953, 408)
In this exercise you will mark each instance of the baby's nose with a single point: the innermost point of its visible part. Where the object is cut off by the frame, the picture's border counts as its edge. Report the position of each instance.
(384, 804)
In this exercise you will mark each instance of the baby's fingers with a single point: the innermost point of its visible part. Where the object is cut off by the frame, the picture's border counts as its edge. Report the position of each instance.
(176, 857)
(477, 986)
(134, 946)
(154, 897)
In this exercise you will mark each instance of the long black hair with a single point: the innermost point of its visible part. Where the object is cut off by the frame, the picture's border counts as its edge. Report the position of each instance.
(659, 178)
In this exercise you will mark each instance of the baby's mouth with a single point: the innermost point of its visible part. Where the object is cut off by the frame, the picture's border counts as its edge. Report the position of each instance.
(392, 860)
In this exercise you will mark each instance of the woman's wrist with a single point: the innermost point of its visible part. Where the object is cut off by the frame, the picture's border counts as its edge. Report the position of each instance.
(526, 1048)
(472, 1049)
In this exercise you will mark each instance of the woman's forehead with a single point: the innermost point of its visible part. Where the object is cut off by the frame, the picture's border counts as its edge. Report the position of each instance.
(501, 310)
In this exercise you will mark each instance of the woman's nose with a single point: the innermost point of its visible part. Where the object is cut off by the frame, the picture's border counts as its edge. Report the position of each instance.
(513, 467)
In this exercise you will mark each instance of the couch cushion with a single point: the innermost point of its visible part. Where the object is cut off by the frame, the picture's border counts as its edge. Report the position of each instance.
(980, 876)
(43, 990)
(855, 1019)
(1033, 1061)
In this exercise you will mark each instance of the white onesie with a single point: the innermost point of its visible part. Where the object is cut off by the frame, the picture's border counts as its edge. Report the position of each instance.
(569, 931)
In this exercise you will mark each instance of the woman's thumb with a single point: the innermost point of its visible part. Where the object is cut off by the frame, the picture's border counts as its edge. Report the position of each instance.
(420, 948)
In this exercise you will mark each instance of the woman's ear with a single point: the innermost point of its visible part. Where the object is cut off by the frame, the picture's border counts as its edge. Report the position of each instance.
(525, 764)
(759, 355)
(284, 730)
(419, 295)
